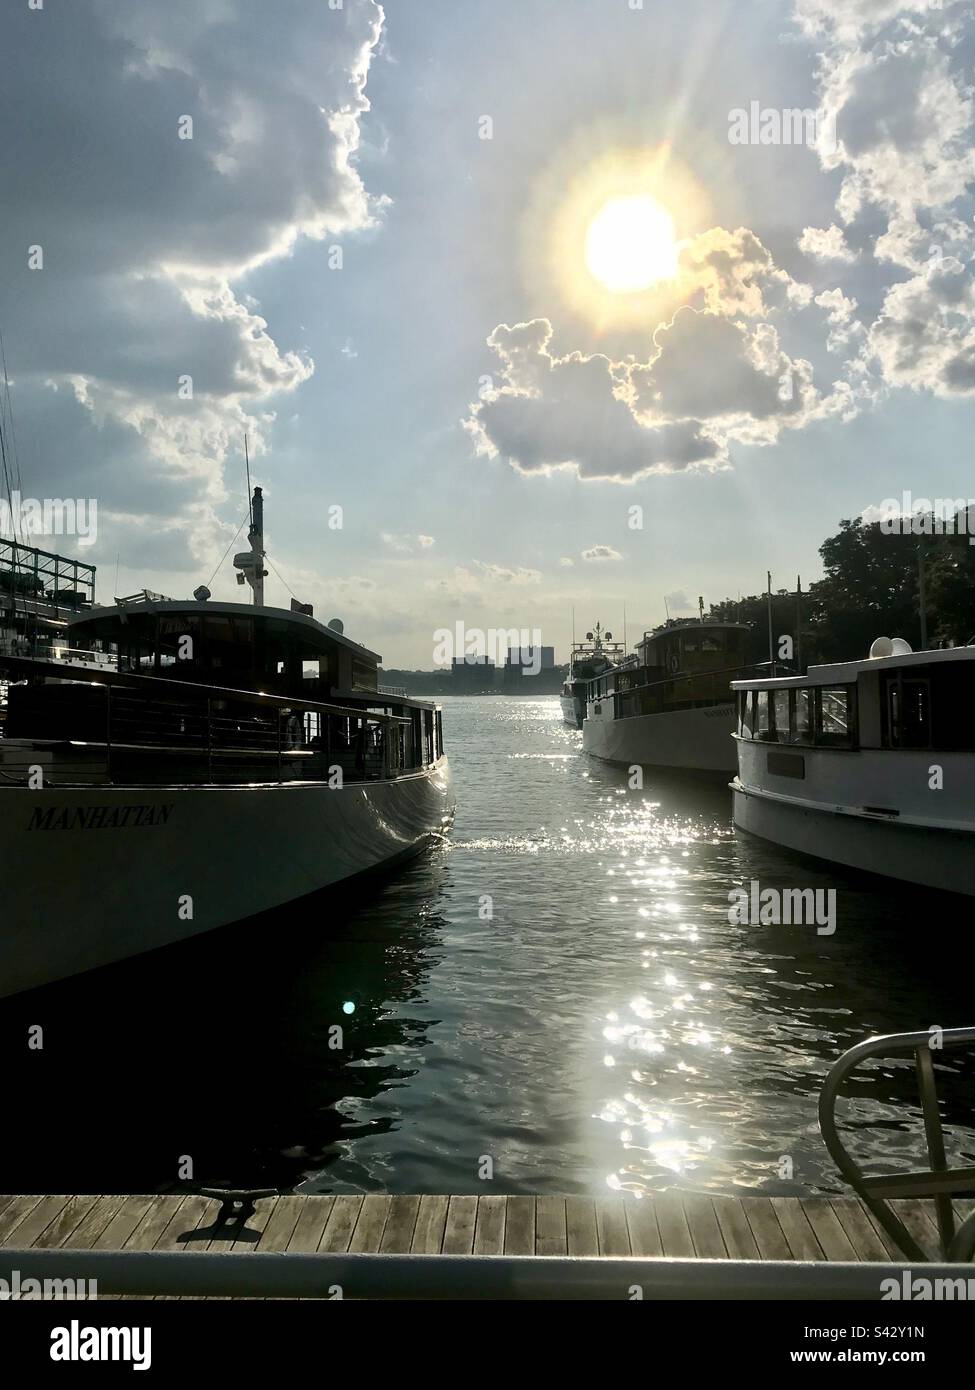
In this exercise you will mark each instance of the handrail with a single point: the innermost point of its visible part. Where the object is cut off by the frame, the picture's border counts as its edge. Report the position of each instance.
(30, 666)
(939, 1181)
(679, 676)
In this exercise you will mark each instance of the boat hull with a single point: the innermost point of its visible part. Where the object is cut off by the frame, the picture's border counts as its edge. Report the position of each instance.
(95, 875)
(697, 740)
(932, 857)
(573, 709)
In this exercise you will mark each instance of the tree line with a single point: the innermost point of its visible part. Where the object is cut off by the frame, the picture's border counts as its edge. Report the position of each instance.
(871, 587)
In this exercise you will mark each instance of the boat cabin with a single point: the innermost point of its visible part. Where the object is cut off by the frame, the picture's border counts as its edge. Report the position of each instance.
(233, 645)
(682, 665)
(911, 700)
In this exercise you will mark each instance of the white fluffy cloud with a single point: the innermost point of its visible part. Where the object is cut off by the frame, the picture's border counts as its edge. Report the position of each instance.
(144, 233)
(826, 244)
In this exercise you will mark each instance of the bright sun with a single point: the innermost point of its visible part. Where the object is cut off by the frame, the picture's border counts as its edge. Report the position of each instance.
(630, 245)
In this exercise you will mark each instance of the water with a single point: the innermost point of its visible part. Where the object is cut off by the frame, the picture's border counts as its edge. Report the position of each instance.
(559, 994)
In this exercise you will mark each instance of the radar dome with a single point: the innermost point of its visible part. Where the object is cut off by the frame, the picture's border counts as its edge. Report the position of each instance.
(201, 594)
(337, 625)
(901, 647)
(881, 646)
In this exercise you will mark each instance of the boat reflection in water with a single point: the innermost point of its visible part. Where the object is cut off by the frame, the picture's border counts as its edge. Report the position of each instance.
(225, 1052)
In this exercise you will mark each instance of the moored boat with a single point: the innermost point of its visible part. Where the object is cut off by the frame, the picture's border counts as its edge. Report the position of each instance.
(230, 759)
(868, 764)
(597, 654)
(669, 704)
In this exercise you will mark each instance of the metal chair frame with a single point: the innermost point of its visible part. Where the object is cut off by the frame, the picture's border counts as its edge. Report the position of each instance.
(938, 1181)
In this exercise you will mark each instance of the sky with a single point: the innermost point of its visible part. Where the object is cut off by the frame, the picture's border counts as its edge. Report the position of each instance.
(405, 250)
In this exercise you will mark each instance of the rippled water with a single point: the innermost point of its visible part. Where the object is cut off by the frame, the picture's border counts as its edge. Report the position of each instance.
(559, 992)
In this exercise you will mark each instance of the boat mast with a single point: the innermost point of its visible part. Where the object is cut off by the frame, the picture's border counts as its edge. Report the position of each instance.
(249, 564)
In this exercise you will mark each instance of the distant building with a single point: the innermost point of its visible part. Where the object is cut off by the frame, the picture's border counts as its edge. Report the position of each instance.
(530, 670)
(534, 658)
(472, 673)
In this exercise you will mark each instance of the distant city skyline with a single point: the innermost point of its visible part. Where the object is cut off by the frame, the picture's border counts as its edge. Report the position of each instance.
(523, 307)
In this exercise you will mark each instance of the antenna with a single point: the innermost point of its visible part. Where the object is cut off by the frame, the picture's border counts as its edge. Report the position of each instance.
(624, 627)
(667, 608)
(247, 462)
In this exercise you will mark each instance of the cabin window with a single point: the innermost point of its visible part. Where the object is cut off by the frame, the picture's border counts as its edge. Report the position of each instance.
(745, 713)
(909, 713)
(309, 670)
(761, 714)
(803, 716)
(780, 715)
(834, 716)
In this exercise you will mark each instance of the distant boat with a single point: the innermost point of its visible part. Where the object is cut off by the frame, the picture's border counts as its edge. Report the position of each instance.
(868, 763)
(669, 704)
(210, 761)
(598, 653)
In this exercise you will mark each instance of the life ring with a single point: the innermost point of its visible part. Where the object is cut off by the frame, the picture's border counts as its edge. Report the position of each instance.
(674, 663)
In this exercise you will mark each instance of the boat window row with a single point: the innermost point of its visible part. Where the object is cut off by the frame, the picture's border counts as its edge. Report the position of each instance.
(821, 716)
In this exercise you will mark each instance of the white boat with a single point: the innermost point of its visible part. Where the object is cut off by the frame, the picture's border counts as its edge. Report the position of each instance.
(669, 705)
(598, 653)
(869, 764)
(233, 759)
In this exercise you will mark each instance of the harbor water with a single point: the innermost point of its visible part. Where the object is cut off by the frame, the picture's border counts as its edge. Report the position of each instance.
(556, 1002)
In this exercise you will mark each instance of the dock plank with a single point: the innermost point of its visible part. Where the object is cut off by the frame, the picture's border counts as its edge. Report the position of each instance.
(550, 1228)
(368, 1233)
(341, 1224)
(827, 1229)
(458, 1236)
(489, 1227)
(35, 1222)
(519, 1226)
(17, 1211)
(582, 1236)
(65, 1222)
(796, 1229)
(735, 1230)
(764, 1226)
(430, 1222)
(641, 1221)
(703, 1225)
(308, 1232)
(611, 1227)
(400, 1225)
(860, 1230)
(675, 1234)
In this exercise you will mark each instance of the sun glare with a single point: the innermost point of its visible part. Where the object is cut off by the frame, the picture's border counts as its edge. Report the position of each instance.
(630, 245)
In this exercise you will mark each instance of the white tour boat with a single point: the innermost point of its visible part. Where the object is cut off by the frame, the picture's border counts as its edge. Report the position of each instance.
(232, 758)
(868, 763)
(670, 704)
(590, 658)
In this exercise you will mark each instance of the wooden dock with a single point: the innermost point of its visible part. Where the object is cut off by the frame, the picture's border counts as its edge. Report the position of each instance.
(671, 1224)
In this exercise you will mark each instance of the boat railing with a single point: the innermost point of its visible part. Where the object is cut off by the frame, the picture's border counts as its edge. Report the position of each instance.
(105, 732)
(938, 1182)
(685, 687)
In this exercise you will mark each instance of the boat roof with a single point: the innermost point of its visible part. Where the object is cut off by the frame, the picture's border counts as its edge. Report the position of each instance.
(682, 624)
(845, 672)
(116, 615)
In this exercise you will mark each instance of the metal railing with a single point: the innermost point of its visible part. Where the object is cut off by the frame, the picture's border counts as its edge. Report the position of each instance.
(683, 688)
(256, 1274)
(156, 730)
(938, 1181)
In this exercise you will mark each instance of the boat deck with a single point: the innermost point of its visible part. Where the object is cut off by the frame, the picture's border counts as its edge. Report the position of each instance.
(672, 1224)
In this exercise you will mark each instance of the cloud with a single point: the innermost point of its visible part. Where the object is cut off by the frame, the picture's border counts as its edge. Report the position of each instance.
(826, 244)
(406, 544)
(144, 234)
(599, 554)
